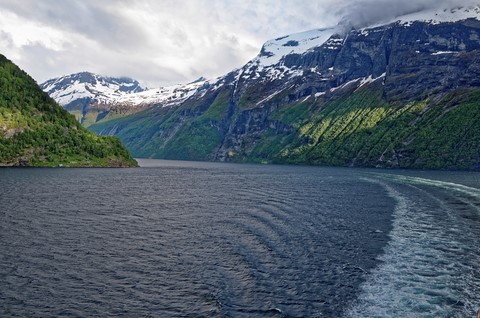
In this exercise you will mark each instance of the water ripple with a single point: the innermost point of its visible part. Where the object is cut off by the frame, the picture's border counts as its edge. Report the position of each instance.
(211, 240)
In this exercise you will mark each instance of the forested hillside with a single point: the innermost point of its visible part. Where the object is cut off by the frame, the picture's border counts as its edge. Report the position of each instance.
(35, 131)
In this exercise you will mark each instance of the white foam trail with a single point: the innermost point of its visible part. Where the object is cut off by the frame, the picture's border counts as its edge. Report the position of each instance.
(430, 266)
(442, 184)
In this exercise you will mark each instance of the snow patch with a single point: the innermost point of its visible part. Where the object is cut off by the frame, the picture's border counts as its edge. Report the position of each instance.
(362, 81)
(345, 84)
(305, 99)
(269, 97)
(370, 79)
(166, 96)
(436, 16)
(443, 52)
(274, 50)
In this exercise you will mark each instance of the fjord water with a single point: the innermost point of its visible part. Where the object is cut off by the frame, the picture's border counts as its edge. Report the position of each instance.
(184, 239)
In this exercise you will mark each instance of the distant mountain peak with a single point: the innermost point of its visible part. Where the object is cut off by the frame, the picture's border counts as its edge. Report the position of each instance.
(87, 85)
(111, 90)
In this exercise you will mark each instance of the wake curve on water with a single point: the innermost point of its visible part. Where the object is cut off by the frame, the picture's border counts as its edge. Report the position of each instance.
(474, 192)
(430, 267)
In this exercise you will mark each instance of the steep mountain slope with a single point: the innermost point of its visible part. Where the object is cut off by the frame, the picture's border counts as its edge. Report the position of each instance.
(404, 93)
(35, 131)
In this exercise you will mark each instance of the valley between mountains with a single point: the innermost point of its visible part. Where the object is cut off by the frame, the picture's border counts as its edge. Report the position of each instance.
(401, 94)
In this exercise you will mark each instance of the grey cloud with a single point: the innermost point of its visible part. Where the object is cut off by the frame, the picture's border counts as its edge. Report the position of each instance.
(96, 20)
(6, 40)
(360, 13)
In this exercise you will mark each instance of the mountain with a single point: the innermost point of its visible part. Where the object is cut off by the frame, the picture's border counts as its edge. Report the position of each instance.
(36, 131)
(402, 93)
(91, 97)
(86, 95)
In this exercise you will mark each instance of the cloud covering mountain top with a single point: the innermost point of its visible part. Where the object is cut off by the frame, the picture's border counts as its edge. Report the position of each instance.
(361, 13)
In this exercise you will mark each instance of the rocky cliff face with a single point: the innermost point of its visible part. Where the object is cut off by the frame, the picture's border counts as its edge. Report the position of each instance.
(377, 96)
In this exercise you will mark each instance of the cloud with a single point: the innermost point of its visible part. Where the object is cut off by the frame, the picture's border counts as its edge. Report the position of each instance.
(158, 42)
(162, 42)
(366, 12)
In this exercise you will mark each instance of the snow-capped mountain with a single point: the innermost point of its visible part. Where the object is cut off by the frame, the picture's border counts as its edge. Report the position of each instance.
(110, 91)
(274, 62)
(91, 86)
(91, 97)
(275, 59)
(165, 96)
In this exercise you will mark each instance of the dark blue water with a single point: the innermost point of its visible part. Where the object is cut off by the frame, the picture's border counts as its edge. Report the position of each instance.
(182, 239)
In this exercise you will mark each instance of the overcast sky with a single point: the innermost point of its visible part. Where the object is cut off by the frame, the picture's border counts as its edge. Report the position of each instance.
(162, 42)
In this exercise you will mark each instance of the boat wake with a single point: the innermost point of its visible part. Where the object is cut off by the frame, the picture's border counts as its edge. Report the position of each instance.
(430, 267)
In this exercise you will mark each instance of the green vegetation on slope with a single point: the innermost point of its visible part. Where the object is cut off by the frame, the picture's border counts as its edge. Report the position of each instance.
(362, 129)
(359, 128)
(35, 131)
(164, 132)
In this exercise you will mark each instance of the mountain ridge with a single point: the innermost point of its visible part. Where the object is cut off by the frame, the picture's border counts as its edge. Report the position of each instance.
(272, 53)
(273, 108)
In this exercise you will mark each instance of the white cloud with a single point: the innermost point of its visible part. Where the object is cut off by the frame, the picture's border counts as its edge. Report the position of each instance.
(157, 42)
(24, 32)
(162, 42)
